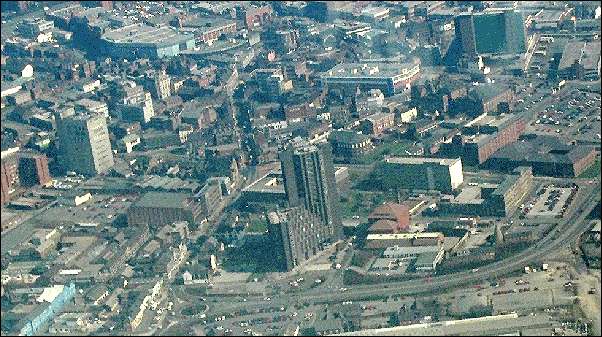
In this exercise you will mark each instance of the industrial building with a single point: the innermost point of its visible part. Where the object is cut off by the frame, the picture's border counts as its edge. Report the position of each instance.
(547, 156)
(297, 235)
(433, 174)
(161, 208)
(488, 199)
(389, 78)
(492, 135)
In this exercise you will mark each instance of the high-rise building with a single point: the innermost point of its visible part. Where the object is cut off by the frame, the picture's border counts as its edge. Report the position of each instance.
(500, 32)
(309, 181)
(162, 85)
(297, 235)
(84, 144)
(464, 27)
(33, 170)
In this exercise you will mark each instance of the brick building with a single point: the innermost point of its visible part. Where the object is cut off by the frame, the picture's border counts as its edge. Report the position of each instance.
(33, 170)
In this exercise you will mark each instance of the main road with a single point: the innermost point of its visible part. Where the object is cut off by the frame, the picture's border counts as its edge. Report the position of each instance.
(566, 233)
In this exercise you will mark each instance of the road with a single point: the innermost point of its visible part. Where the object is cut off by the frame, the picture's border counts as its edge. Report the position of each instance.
(568, 232)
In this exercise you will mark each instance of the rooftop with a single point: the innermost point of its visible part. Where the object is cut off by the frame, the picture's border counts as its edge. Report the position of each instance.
(359, 70)
(146, 35)
(404, 236)
(421, 160)
(162, 200)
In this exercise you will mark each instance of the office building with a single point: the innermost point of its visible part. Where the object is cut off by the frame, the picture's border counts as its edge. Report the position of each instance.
(390, 78)
(33, 170)
(413, 173)
(309, 180)
(501, 32)
(84, 144)
(297, 235)
(161, 208)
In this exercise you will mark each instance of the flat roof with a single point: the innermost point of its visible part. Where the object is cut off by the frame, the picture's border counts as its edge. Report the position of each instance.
(363, 70)
(421, 160)
(470, 326)
(146, 35)
(162, 200)
(404, 236)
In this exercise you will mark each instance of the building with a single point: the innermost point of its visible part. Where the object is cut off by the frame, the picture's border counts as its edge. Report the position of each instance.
(137, 41)
(33, 170)
(159, 85)
(256, 17)
(52, 300)
(378, 123)
(490, 98)
(160, 208)
(297, 235)
(348, 144)
(382, 241)
(272, 81)
(282, 41)
(580, 60)
(493, 32)
(547, 156)
(389, 218)
(86, 105)
(413, 173)
(84, 144)
(390, 78)
(210, 29)
(309, 181)
(137, 110)
(210, 197)
(505, 199)
(9, 176)
(32, 27)
(475, 149)
(488, 199)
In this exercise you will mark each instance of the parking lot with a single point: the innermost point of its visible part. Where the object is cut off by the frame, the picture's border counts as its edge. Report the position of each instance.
(551, 203)
(574, 114)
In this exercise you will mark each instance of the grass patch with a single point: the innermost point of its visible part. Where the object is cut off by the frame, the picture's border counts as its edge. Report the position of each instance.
(593, 171)
(257, 225)
(395, 148)
(362, 203)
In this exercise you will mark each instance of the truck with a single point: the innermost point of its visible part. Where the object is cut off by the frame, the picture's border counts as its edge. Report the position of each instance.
(544, 267)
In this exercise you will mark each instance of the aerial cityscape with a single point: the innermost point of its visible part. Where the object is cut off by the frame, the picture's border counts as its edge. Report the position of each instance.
(300, 168)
